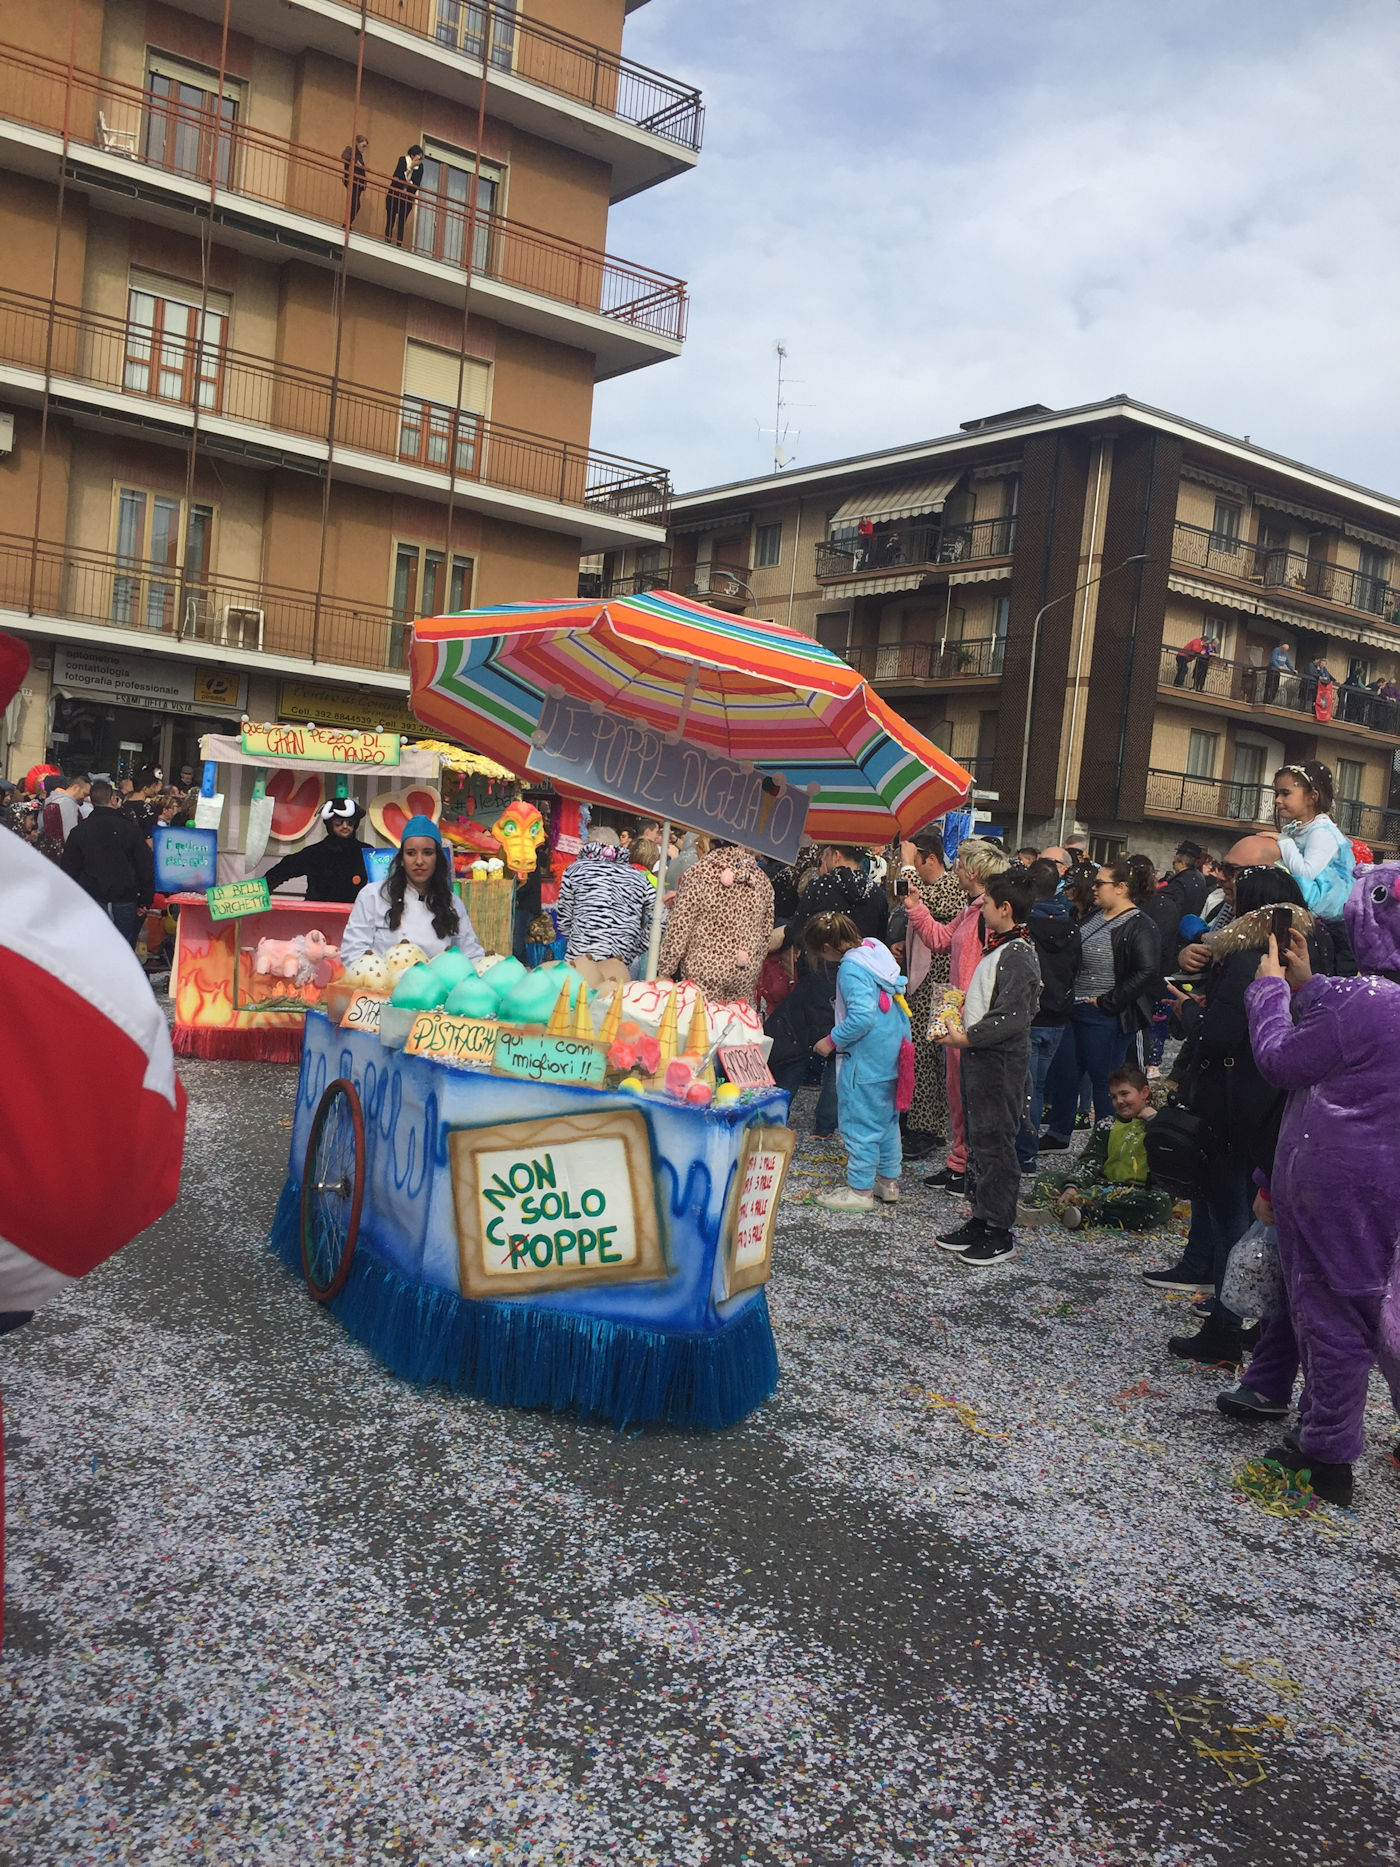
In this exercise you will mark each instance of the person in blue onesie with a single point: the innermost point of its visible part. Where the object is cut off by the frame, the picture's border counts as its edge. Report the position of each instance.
(872, 1024)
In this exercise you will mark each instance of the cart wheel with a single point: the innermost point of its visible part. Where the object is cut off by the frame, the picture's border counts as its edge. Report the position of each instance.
(332, 1190)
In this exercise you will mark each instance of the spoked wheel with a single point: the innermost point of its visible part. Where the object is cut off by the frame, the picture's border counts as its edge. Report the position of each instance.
(332, 1190)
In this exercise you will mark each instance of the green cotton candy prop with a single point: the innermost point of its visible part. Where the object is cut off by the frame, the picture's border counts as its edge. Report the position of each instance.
(504, 976)
(419, 989)
(473, 998)
(452, 967)
(534, 997)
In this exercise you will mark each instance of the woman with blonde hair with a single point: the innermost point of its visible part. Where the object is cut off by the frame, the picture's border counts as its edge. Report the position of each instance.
(976, 862)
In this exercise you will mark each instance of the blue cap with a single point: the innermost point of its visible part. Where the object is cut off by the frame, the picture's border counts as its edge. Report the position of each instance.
(1191, 927)
(421, 826)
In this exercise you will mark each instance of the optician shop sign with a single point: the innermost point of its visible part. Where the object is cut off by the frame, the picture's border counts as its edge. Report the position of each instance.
(640, 769)
(157, 682)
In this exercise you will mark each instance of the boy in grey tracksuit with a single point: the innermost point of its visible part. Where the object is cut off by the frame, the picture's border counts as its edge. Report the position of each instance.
(1002, 1001)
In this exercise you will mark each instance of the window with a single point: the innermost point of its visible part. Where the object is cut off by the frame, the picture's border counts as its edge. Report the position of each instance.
(183, 130)
(462, 25)
(1248, 800)
(1201, 752)
(1350, 772)
(768, 546)
(1359, 670)
(1372, 579)
(420, 590)
(834, 630)
(160, 546)
(444, 206)
(432, 413)
(1001, 616)
(1227, 523)
(1106, 849)
(170, 346)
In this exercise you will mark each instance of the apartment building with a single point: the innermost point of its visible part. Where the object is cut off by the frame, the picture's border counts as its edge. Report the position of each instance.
(303, 307)
(1019, 591)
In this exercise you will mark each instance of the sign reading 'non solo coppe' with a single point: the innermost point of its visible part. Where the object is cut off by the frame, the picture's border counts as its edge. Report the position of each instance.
(640, 769)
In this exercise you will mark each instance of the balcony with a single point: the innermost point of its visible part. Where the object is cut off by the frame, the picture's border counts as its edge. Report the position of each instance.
(1249, 807)
(723, 586)
(269, 414)
(1264, 688)
(1287, 572)
(636, 584)
(151, 156)
(162, 605)
(896, 547)
(920, 662)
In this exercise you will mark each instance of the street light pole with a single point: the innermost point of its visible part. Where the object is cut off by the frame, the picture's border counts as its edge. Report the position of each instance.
(1138, 557)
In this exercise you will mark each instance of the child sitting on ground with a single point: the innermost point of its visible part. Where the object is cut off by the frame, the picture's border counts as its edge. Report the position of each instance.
(872, 1025)
(1002, 999)
(1108, 1184)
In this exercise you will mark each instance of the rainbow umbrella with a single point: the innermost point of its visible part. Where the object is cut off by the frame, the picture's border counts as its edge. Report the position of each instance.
(754, 691)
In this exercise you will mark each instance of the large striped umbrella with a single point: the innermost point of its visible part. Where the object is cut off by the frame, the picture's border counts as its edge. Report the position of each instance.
(756, 691)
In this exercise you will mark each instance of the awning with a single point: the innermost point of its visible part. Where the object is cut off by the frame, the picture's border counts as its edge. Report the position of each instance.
(908, 499)
(1343, 629)
(881, 586)
(1370, 538)
(995, 573)
(1325, 520)
(1211, 593)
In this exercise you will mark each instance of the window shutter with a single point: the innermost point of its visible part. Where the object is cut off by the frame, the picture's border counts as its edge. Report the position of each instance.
(180, 291)
(430, 374)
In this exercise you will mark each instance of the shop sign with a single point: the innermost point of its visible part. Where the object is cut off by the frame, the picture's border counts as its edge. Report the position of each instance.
(631, 765)
(551, 1059)
(746, 1065)
(156, 682)
(327, 745)
(362, 1013)
(332, 706)
(185, 858)
(447, 1038)
(230, 900)
(758, 1184)
(555, 1204)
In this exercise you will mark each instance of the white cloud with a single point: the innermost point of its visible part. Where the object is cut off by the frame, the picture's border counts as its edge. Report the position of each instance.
(946, 209)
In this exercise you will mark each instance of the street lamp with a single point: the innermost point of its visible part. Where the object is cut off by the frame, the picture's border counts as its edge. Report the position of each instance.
(1138, 557)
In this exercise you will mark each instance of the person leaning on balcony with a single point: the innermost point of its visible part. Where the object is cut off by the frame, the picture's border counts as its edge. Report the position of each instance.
(1280, 663)
(1199, 649)
(353, 157)
(402, 193)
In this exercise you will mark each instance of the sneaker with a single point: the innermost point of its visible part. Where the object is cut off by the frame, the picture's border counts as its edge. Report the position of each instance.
(948, 1180)
(916, 1145)
(994, 1245)
(1031, 1215)
(1215, 1345)
(886, 1191)
(1082, 1120)
(1072, 1218)
(968, 1233)
(1054, 1144)
(846, 1199)
(1332, 1483)
(1203, 1306)
(1029, 1169)
(1175, 1277)
(1247, 1403)
(823, 1134)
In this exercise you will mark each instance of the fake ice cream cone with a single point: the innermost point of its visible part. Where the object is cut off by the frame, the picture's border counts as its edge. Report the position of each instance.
(583, 1017)
(561, 1018)
(667, 1036)
(698, 1036)
(608, 1034)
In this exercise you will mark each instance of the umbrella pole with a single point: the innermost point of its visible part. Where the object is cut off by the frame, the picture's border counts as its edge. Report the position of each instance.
(654, 939)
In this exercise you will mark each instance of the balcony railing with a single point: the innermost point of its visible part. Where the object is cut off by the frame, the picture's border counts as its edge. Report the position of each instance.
(554, 60)
(1218, 679)
(164, 601)
(721, 583)
(112, 354)
(895, 546)
(927, 661)
(1224, 800)
(158, 134)
(636, 584)
(1286, 571)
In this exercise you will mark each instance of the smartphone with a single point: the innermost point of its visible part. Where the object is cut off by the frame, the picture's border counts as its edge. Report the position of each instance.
(1280, 926)
(902, 886)
(1184, 981)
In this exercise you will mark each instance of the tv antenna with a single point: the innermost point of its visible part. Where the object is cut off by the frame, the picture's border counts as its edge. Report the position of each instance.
(781, 431)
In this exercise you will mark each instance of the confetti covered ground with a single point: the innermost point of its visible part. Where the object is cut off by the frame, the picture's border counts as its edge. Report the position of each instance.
(977, 1587)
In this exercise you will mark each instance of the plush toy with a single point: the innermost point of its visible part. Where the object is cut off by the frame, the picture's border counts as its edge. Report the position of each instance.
(399, 958)
(519, 831)
(307, 960)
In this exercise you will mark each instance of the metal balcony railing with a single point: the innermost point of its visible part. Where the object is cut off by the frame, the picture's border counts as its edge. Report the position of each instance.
(554, 60)
(927, 661)
(228, 385)
(164, 600)
(724, 583)
(635, 584)
(157, 134)
(894, 546)
(1218, 679)
(1288, 572)
(1226, 801)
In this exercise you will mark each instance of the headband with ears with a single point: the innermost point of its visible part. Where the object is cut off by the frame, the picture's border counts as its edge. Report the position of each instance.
(341, 809)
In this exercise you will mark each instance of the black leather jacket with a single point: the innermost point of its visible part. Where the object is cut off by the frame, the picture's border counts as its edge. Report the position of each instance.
(1137, 976)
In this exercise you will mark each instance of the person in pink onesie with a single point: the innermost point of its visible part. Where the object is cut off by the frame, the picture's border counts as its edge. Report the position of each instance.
(962, 940)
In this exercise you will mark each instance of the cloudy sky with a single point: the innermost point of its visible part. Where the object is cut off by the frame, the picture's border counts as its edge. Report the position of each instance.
(948, 207)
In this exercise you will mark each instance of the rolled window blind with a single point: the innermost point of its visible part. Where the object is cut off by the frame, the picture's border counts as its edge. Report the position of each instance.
(430, 374)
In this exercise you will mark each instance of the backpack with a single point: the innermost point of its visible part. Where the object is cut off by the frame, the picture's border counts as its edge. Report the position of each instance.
(1176, 1150)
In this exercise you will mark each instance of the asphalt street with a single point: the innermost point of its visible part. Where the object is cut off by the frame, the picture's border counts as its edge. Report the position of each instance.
(976, 1587)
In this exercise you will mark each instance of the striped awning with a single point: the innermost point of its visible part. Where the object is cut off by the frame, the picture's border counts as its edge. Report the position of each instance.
(881, 586)
(1342, 628)
(906, 500)
(995, 573)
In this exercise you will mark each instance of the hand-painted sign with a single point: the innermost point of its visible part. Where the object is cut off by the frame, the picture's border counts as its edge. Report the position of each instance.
(446, 1038)
(746, 1065)
(362, 1013)
(629, 764)
(554, 1204)
(231, 899)
(379, 862)
(328, 745)
(184, 858)
(753, 1207)
(550, 1059)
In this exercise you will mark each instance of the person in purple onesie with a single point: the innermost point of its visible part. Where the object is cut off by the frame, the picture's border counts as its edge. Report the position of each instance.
(1334, 1049)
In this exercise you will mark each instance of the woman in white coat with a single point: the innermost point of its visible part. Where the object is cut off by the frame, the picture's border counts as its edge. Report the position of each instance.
(414, 902)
